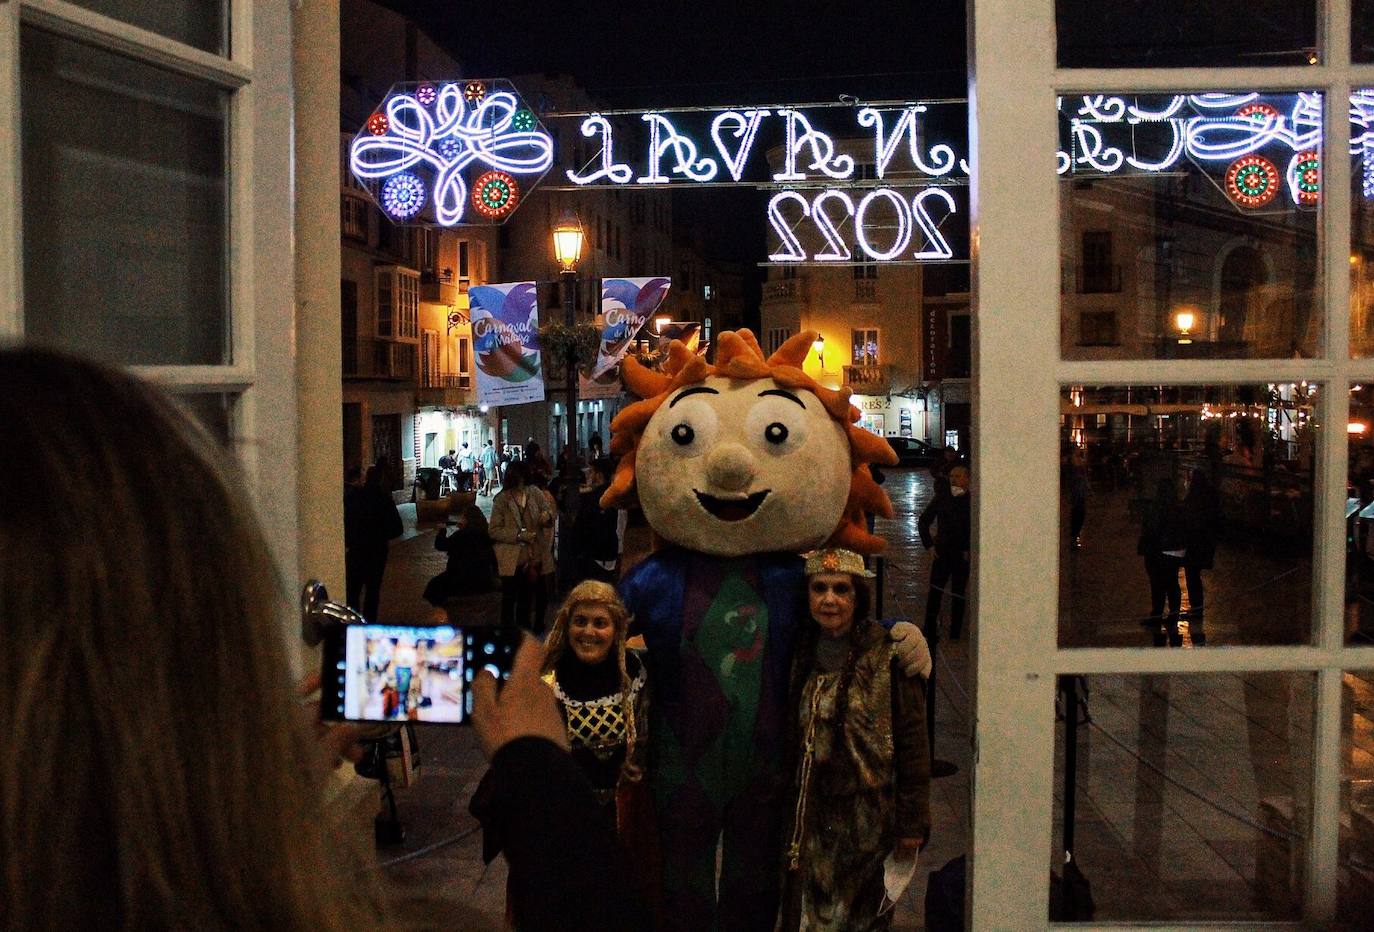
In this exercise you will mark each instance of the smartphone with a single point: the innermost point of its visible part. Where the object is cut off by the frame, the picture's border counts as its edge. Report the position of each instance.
(417, 673)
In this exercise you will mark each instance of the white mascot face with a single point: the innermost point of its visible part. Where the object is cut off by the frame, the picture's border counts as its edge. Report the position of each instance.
(730, 467)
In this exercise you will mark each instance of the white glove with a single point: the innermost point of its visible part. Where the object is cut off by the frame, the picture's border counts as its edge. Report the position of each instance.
(912, 649)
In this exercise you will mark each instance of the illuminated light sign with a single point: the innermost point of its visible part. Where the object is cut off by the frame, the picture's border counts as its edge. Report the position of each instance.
(1252, 181)
(449, 153)
(912, 216)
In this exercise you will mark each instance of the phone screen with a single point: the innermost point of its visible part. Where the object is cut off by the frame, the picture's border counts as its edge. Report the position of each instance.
(399, 673)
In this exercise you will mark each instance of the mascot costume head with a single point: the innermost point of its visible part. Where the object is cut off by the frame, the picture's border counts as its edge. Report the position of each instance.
(749, 455)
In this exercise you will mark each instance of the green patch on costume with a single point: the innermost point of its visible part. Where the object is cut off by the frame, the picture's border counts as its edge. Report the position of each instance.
(730, 641)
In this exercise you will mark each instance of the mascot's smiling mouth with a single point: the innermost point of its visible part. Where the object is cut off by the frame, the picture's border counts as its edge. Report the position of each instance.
(732, 509)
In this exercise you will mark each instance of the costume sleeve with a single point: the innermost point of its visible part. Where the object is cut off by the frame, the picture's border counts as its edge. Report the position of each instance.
(912, 754)
(566, 867)
(640, 758)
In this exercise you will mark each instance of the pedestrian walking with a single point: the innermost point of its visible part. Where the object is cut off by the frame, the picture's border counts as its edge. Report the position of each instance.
(949, 514)
(371, 521)
(467, 463)
(596, 538)
(1202, 522)
(1076, 485)
(1162, 545)
(488, 460)
(519, 514)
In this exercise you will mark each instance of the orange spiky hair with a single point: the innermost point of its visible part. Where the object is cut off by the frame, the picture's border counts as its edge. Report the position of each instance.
(739, 357)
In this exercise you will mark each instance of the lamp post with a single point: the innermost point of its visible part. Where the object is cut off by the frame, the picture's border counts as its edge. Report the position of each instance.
(567, 248)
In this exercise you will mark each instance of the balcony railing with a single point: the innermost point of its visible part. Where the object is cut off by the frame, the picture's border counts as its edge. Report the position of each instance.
(437, 286)
(447, 380)
(379, 359)
(785, 289)
(863, 378)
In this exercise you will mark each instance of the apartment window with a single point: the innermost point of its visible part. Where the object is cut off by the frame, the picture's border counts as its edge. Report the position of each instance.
(353, 217)
(1099, 275)
(777, 336)
(865, 271)
(1097, 328)
(429, 358)
(864, 346)
(429, 250)
(398, 304)
(789, 272)
(464, 263)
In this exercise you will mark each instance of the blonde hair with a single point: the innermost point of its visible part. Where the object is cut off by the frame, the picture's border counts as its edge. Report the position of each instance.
(156, 770)
(739, 357)
(595, 592)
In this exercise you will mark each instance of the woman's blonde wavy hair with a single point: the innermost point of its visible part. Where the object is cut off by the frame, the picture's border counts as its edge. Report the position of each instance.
(595, 592)
(156, 769)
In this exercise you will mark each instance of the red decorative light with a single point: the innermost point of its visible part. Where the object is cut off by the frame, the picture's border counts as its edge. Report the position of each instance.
(1258, 112)
(474, 91)
(1252, 181)
(495, 194)
(378, 124)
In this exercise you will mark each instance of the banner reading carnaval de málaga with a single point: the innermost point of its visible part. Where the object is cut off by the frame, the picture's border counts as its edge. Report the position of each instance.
(626, 304)
(505, 341)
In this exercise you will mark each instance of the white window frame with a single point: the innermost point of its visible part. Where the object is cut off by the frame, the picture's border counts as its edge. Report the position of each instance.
(259, 224)
(1013, 123)
(402, 285)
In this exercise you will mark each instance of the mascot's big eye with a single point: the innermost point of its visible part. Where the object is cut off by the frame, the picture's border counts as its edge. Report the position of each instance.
(683, 435)
(777, 425)
(776, 432)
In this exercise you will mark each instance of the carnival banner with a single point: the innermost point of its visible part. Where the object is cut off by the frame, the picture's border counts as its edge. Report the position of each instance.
(626, 305)
(505, 341)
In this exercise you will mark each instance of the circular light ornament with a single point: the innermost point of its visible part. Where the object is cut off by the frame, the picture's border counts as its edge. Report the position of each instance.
(1308, 170)
(495, 194)
(1252, 181)
(474, 91)
(1258, 112)
(378, 124)
(450, 147)
(403, 195)
(523, 120)
(426, 94)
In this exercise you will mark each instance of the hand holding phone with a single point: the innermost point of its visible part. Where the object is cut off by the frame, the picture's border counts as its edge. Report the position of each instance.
(524, 707)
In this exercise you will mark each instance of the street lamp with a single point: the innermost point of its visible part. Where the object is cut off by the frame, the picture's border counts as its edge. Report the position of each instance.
(1184, 321)
(819, 346)
(567, 249)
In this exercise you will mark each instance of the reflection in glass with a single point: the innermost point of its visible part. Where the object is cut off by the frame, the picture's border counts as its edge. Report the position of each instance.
(1362, 223)
(203, 24)
(1362, 31)
(1359, 518)
(1191, 795)
(1188, 225)
(1179, 33)
(1355, 887)
(125, 221)
(1186, 515)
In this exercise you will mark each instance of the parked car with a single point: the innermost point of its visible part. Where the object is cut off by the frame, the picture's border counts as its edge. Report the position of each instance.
(913, 452)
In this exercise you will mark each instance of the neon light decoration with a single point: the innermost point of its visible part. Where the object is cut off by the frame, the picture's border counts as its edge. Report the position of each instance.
(495, 194)
(1304, 177)
(911, 215)
(427, 155)
(1252, 181)
(403, 195)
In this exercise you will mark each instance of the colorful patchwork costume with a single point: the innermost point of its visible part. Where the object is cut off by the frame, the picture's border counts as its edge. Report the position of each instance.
(739, 467)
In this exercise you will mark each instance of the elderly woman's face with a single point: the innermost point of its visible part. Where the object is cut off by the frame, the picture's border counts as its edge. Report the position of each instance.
(832, 602)
(591, 632)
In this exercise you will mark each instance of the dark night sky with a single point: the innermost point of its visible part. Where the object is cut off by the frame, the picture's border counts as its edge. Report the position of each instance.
(712, 52)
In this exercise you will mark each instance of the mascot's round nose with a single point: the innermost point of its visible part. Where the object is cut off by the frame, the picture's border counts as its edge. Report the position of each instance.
(730, 466)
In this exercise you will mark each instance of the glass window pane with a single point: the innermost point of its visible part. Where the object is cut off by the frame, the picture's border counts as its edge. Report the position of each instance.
(214, 412)
(1191, 797)
(1359, 518)
(125, 220)
(1362, 222)
(1188, 226)
(1362, 31)
(1180, 499)
(200, 23)
(1180, 33)
(1355, 888)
